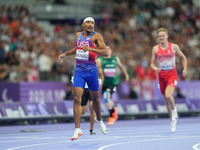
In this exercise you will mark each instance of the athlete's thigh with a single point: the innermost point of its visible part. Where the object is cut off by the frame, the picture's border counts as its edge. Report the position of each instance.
(79, 80)
(78, 91)
(162, 86)
(169, 90)
(171, 83)
(92, 81)
(94, 95)
(172, 79)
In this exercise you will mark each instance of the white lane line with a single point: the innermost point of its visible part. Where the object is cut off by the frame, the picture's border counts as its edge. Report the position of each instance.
(138, 141)
(195, 147)
(194, 132)
(40, 137)
(32, 133)
(36, 138)
(41, 144)
(33, 139)
(25, 146)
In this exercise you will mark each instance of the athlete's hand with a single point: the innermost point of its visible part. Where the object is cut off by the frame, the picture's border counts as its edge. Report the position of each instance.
(184, 72)
(85, 48)
(61, 56)
(157, 70)
(100, 87)
(127, 79)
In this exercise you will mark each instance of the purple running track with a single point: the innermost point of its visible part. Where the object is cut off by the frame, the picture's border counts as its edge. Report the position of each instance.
(144, 134)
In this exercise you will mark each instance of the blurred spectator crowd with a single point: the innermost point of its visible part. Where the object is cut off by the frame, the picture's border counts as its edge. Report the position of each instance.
(28, 53)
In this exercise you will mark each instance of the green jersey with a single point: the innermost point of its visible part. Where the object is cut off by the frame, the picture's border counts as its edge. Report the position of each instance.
(109, 67)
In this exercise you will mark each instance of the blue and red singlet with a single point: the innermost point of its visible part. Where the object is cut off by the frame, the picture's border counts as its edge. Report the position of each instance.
(86, 69)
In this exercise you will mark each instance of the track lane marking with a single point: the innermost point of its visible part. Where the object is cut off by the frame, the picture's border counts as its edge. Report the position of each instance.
(195, 147)
(138, 141)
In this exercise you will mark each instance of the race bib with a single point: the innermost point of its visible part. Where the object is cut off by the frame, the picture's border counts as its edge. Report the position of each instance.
(109, 72)
(82, 56)
(166, 66)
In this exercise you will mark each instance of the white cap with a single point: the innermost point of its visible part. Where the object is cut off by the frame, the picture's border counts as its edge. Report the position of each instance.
(88, 19)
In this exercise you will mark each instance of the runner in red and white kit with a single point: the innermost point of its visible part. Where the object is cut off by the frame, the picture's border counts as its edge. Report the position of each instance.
(164, 53)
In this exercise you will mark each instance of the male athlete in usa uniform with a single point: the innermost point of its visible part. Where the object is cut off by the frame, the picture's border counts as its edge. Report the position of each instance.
(88, 44)
(87, 97)
(165, 53)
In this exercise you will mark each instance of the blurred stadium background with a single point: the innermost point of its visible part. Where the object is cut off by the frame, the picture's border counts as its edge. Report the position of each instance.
(36, 88)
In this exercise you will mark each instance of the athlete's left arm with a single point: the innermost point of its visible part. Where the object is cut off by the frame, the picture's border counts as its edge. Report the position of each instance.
(182, 56)
(123, 70)
(102, 48)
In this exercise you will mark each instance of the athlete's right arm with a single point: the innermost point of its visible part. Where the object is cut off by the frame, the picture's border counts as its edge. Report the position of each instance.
(70, 52)
(153, 59)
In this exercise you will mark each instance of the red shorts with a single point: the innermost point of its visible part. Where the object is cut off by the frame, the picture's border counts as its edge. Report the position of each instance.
(167, 78)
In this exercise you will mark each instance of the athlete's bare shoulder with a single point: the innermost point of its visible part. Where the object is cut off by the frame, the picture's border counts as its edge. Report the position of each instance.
(155, 46)
(155, 49)
(175, 47)
(98, 40)
(98, 35)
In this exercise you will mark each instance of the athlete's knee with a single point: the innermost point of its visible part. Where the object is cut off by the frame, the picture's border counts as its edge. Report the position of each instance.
(77, 100)
(168, 97)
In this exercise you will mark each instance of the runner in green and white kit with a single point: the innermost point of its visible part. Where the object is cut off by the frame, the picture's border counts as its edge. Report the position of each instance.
(109, 66)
